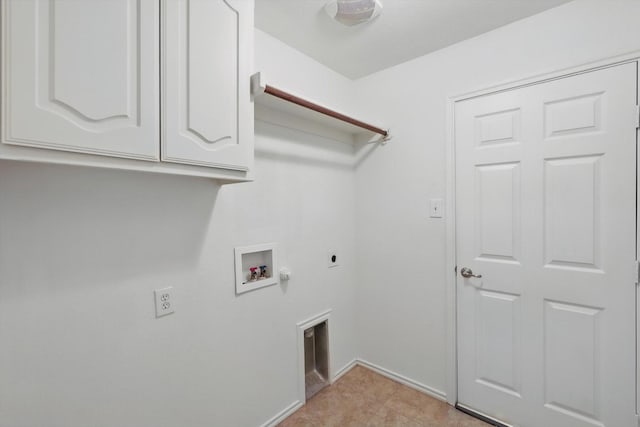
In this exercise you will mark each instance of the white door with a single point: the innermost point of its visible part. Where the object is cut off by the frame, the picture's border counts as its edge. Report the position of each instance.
(207, 115)
(545, 213)
(81, 75)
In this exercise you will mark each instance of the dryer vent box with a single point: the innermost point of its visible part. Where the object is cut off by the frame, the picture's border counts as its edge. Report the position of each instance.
(316, 358)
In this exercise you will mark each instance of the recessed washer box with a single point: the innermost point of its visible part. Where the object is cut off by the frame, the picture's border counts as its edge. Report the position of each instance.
(250, 262)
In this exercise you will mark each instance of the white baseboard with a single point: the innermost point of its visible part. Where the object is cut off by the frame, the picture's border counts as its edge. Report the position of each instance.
(277, 419)
(346, 368)
(435, 393)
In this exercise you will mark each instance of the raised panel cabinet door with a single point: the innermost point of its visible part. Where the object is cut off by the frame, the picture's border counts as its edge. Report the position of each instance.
(207, 115)
(81, 76)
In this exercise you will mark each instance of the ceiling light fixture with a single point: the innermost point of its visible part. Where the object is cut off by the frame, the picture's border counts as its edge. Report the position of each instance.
(353, 12)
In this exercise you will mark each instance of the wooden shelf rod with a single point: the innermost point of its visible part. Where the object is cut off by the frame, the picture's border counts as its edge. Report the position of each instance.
(323, 110)
(258, 87)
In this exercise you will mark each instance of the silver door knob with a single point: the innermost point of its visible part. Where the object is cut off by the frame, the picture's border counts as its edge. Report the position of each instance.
(467, 272)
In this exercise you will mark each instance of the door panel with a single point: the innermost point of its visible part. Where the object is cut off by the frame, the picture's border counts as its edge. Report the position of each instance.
(500, 326)
(572, 333)
(571, 206)
(572, 116)
(498, 212)
(82, 76)
(545, 212)
(73, 65)
(501, 127)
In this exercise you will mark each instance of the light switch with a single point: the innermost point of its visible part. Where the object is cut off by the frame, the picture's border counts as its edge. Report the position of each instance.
(436, 208)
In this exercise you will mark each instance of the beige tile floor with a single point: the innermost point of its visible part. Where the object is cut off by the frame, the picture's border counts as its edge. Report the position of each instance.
(363, 398)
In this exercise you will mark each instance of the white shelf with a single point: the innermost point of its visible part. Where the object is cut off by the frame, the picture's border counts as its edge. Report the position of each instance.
(278, 106)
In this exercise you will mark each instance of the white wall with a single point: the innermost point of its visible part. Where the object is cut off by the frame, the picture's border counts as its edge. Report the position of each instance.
(81, 251)
(400, 250)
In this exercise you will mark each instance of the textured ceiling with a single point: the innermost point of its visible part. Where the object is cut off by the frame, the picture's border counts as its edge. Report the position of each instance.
(406, 29)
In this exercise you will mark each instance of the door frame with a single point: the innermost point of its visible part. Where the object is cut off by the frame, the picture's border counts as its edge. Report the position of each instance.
(451, 369)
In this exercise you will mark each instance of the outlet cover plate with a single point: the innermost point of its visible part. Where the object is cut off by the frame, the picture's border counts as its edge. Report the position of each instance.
(164, 301)
(436, 208)
(333, 259)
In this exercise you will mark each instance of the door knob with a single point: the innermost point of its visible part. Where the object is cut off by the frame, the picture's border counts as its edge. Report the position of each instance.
(467, 272)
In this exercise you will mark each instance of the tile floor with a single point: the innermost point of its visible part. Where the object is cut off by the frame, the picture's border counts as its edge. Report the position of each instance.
(363, 398)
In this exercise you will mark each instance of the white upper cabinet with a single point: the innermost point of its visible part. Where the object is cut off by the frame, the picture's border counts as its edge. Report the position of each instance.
(81, 76)
(85, 79)
(207, 115)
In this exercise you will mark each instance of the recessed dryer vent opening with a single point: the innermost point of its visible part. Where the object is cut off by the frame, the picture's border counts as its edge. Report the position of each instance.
(316, 358)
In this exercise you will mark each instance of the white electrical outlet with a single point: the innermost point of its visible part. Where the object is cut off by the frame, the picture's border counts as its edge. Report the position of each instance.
(333, 260)
(164, 301)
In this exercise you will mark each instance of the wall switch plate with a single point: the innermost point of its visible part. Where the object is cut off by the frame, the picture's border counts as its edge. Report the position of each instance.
(436, 208)
(333, 260)
(164, 301)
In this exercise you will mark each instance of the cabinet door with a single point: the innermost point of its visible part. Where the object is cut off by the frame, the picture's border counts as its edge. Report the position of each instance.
(207, 115)
(82, 76)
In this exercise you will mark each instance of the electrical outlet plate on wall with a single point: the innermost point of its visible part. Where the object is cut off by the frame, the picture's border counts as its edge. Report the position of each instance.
(333, 259)
(436, 207)
(164, 301)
